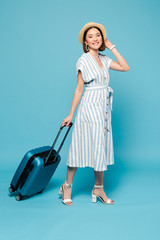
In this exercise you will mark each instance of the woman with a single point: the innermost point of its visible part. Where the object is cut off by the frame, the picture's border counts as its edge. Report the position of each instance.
(91, 143)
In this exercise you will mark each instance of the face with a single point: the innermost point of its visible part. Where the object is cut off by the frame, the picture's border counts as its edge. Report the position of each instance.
(94, 39)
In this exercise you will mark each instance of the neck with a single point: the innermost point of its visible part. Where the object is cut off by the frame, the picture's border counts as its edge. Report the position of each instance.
(94, 53)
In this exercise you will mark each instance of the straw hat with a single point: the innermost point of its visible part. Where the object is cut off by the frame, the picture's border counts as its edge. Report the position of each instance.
(92, 24)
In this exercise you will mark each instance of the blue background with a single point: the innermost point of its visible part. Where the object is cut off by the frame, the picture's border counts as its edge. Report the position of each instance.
(39, 49)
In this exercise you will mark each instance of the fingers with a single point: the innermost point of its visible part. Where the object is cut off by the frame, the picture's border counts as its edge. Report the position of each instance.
(65, 123)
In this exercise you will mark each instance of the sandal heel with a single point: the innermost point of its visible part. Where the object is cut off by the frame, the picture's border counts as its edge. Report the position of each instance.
(67, 201)
(94, 198)
(60, 192)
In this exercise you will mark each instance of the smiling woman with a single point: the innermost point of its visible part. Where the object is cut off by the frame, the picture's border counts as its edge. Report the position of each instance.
(92, 141)
(96, 33)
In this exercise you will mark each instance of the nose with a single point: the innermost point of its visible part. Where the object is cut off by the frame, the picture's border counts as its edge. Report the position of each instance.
(95, 39)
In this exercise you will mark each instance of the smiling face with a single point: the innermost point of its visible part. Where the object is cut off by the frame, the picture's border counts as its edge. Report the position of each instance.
(94, 39)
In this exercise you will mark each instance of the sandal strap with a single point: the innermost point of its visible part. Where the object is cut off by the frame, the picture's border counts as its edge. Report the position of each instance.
(98, 186)
(67, 200)
(68, 185)
(109, 200)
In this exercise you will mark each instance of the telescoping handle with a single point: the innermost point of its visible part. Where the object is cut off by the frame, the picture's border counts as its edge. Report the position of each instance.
(62, 126)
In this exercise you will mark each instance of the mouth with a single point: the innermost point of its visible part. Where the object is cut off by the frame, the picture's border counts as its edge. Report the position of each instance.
(95, 43)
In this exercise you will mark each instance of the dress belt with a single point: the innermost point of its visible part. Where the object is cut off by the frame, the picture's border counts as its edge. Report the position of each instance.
(96, 86)
(102, 86)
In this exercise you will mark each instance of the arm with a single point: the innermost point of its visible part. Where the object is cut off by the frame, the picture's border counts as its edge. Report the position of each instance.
(76, 99)
(77, 94)
(121, 65)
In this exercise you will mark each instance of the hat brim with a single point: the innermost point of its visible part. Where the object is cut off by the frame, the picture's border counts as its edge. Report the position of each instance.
(92, 24)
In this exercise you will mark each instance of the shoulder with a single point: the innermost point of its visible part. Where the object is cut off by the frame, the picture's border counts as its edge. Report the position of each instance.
(103, 56)
(107, 60)
(82, 60)
(82, 57)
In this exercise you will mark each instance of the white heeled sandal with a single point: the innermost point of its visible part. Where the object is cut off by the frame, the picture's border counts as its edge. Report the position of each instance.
(94, 196)
(61, 193)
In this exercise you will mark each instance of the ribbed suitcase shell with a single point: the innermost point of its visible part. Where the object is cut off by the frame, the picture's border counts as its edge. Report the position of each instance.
(36, 169)
(32, 176)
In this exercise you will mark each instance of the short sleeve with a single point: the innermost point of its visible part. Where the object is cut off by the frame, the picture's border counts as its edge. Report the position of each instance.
(85, 67)
(108, 61)
(79, 66)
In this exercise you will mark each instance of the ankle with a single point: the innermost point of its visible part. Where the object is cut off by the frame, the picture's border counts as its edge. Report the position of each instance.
(68, 184)
(98, 189)
(96, 186)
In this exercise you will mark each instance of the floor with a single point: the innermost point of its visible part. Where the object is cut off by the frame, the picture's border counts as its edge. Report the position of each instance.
(135, 214)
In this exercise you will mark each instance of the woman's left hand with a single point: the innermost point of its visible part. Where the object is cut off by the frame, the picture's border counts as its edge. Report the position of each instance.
(108, 44)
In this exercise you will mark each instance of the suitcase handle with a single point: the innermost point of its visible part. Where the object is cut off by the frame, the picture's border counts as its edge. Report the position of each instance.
(62, 126)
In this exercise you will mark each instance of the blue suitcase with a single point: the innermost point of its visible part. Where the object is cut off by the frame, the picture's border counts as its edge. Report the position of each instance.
(36, 169)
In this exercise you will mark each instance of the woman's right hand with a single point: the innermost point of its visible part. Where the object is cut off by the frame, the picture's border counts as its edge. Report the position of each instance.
(67, 120)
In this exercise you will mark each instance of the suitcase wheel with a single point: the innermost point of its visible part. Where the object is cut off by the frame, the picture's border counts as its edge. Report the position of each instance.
(18, 197)
(11, 189)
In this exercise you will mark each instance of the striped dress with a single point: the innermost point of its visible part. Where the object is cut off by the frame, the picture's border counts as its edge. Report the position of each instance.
(92, 143)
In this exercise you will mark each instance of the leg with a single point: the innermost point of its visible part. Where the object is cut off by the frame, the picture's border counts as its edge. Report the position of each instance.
(99, 181)
(70, 175)
(98, 177)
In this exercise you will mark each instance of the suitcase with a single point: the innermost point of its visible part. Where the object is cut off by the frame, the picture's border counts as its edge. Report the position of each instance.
(36, 169)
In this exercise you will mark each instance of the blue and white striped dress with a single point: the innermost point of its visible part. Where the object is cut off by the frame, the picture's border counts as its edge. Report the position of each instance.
(92, 143)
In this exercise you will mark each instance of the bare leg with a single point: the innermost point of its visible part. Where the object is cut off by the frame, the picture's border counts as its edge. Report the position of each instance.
(99, 181)
(70, 175)
(98, 177)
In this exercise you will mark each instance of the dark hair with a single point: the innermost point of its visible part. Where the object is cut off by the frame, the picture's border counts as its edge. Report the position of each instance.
(102, 48)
